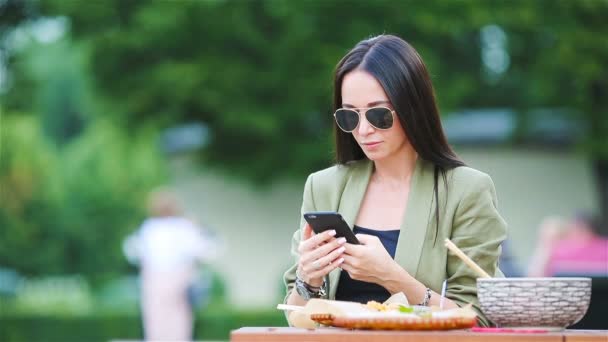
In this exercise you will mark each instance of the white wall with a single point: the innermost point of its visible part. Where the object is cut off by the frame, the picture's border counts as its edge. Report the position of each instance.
(256, 225)
(533, 184)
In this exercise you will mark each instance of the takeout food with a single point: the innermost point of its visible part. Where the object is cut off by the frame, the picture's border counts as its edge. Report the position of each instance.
(393, 314)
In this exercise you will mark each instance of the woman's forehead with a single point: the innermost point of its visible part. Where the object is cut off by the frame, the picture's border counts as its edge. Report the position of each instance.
(361, 89)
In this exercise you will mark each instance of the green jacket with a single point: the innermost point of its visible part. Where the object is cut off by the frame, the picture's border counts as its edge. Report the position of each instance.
(467, 216)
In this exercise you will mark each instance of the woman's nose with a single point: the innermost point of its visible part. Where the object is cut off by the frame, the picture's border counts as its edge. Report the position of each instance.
(364, 127)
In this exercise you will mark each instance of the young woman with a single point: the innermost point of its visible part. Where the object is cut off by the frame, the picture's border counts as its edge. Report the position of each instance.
(398, 182)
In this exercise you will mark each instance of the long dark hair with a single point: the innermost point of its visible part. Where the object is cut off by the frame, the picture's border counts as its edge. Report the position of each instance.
(401, 72)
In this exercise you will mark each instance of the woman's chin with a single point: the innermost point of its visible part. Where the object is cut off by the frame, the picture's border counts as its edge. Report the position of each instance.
(374, 156)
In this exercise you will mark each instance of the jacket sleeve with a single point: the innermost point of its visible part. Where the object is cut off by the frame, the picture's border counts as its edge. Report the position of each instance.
(478, 230)
(308, 205)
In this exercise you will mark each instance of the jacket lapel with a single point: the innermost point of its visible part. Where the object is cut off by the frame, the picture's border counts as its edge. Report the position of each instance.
(349, 205)
(355, 189)
(417, 214)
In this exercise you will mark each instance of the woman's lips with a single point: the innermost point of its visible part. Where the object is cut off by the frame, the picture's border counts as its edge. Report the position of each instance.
(371, 145)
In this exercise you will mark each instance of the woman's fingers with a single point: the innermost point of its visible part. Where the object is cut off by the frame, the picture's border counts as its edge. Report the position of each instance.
(320, 273)
(316, 263)
(349, 261)
(308, 233)
(354, 250)
(350, 265)
(325, 249)
(314, 256)
(315, 240)
(319, 254)
(327, 258)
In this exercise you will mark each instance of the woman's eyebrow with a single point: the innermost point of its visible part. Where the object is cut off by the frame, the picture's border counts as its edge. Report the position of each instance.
(371, 104)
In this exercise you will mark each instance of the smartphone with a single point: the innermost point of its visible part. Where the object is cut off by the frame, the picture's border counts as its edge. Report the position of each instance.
(321, 221)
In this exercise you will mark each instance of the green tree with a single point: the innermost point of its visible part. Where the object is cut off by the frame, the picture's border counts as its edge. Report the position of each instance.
(259, 72)
(67, 211)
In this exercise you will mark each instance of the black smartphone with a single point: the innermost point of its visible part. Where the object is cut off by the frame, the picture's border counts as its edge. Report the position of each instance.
(321, 221)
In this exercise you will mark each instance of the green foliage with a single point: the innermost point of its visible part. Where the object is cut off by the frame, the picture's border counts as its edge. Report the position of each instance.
(259, 72)
(30, 195)
(49, 79)
(51, 295)
(71, 296)
(67, 210)
(214, 325)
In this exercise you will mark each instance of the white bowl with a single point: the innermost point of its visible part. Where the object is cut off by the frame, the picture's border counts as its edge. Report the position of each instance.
(534, 302)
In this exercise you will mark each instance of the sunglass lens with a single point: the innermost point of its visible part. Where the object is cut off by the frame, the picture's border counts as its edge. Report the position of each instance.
(347, 119)
(381, 118)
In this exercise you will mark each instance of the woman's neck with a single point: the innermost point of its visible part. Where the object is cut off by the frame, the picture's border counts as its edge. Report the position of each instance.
(397, 168)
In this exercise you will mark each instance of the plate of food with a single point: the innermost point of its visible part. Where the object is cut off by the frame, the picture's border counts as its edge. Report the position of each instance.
(390, 315)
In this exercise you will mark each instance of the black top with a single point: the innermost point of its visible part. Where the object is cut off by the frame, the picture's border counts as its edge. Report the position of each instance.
(360, 291)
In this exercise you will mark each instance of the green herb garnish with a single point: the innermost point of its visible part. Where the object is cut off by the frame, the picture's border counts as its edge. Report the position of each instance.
(406, 309)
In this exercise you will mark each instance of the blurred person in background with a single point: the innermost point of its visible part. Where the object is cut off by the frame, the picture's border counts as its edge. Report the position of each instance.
(570, 247)
(394, 166)
(168, 248)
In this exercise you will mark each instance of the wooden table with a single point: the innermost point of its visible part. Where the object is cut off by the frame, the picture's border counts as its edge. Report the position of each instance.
(269, 334)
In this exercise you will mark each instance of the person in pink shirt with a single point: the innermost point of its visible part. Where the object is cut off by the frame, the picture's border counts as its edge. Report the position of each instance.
(570, 248)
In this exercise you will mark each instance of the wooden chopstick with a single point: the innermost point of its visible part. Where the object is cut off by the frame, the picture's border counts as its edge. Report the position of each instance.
(287, 307)
(459, 253)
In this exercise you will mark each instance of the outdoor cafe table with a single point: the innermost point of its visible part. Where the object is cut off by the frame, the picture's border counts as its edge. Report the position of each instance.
(270, 334)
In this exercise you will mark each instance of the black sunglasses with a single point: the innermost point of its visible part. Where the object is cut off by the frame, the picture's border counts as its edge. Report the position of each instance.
(379, 117)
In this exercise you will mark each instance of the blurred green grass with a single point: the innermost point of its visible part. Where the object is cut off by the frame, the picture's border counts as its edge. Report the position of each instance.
(214, 324)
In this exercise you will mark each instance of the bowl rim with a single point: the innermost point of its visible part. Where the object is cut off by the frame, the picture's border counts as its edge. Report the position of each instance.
(545, 279)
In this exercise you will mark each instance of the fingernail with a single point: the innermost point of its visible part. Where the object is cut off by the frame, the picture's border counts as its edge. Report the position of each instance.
(331, 232)
(341, 240)
(341, 249)
(341, 260)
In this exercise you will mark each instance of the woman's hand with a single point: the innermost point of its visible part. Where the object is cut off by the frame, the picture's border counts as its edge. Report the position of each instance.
(319, 255)
(368, 261)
